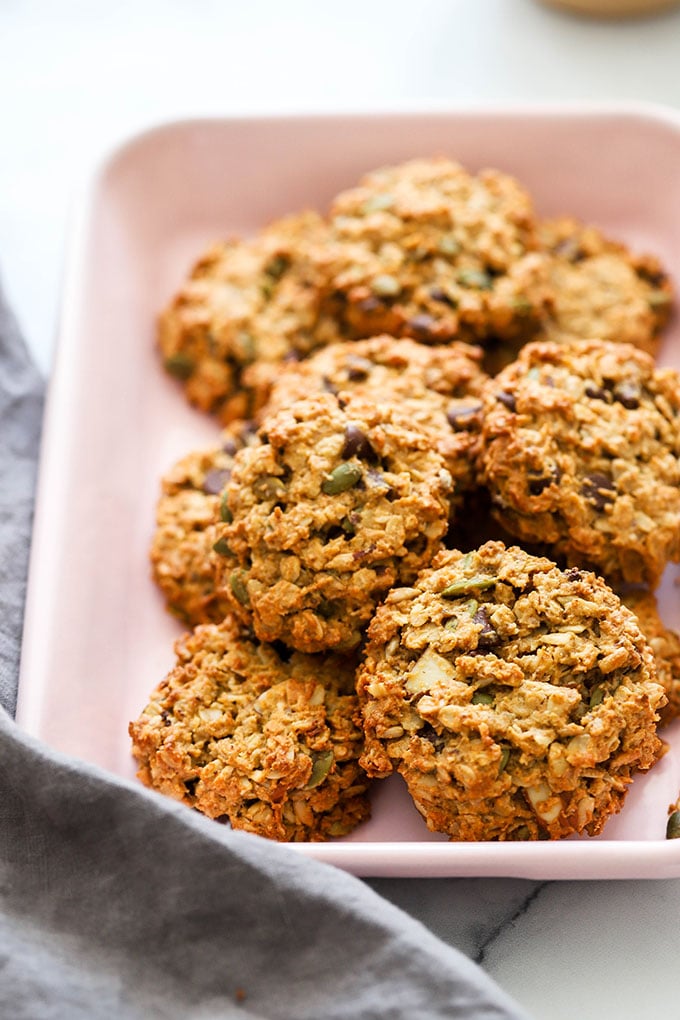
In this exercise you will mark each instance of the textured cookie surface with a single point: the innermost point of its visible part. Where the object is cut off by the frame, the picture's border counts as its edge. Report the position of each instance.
(516, 699)
(247, 306)
(426, 250)
(581, 448)
(342, 499)
(182, 554)
(439, 388)
(665, 645)
(265, 742)
(601, 289)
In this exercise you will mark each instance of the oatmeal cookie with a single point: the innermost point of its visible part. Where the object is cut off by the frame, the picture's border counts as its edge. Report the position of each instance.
(439, 388)
(182, 554)
(247, 306)
(264, 741)
(601, 289)
(581, 448)
(665, 645)
(424, 249)
(516, 699)
(341, 500)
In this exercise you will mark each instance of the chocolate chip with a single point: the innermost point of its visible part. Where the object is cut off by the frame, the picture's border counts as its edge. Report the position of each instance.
(439, 294)
(361, 554)
(357, 444)
(371, 304)
(541, 483)
(358, 368)
(656, 277)
(460, 417)
(214, 481)
(488, 635)
(230, 447)
(597, 393)
(328, 386)
(569, 249)
(628, 394)
(422, 325)
(574, 574)
(508, 399)
(599, 489)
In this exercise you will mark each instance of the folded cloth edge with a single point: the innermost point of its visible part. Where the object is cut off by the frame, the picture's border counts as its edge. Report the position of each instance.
(300, 938)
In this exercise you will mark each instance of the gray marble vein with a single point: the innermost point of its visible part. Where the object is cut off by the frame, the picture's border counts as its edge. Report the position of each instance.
(469, 913)
(593, 950)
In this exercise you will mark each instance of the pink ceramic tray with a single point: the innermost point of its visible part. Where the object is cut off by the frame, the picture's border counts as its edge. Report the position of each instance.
(97, 637)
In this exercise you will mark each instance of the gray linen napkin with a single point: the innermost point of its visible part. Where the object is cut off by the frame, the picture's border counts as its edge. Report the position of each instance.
(116, 902)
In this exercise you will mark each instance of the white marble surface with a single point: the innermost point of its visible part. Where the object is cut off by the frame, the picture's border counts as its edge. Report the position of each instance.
(79, 75)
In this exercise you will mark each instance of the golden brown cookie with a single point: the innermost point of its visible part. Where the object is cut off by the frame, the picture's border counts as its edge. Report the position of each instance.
(665, 645)
(247, 306)
(342, 499)
(439, 388)
(601, 289)
(267, 742)
(581, 450)
(516, 699)
(182, 554)
(425, 249)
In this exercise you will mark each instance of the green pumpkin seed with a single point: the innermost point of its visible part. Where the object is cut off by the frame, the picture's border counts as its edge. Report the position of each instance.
(480, 582)
(596, 696)
(505, 757)
(221, 546)
(225, 513)
(321, 766)
(673, 826)
(483, 698)
(237, 583)
(268, 487)
(277, 266)
(344, 476)
(181, 366)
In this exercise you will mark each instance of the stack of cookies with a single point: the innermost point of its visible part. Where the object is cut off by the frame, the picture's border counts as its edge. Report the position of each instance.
(427, 537)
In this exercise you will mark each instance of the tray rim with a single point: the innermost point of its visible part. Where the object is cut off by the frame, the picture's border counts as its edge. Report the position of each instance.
(636, 859)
